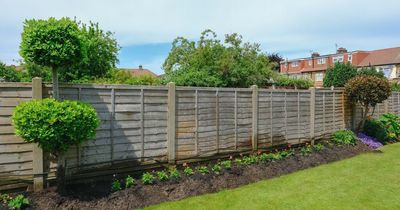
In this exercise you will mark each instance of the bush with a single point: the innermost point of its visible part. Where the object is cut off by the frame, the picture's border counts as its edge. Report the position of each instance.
(116, 76)
(344, 137)
(115, 185)
(376, 129)
(19, 202)
(371, 71)
(285, 81)
(147, 178)
(9, 74)
(392, 124)
(55, 125)
(395, 86)
(339, 74)
(129, 181)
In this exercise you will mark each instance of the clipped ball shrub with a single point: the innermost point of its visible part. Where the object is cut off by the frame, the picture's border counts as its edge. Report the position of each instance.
(344, 137)
(376, 129)
(55, 125)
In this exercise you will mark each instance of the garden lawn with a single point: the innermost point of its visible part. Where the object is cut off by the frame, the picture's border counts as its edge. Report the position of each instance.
(367, 181)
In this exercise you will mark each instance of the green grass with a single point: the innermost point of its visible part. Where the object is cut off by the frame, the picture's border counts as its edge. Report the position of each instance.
(368, 181)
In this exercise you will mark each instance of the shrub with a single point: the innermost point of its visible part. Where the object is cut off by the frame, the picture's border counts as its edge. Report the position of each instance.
(188, 171)
(285, 81)
(264, 157)
(376, 129)
(9, 74)
(203, 170)
(19, 202)
(115, 185)
(395, 86)
(371, 71)
(129, 182)
(147, 178)
(392, 124)
(227, 164)
(249, 160)
(276, 156)
(339, 74)
(239, 162)
(174, 173)
(55, 125)
(318, 147)
(287, 153)
(162, 176)
(344, 137)
(216, 169)
(367, 91)
(4, 198)
(306, 150)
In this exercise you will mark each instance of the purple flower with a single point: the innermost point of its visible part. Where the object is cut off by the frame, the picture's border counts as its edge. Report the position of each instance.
(370, 141)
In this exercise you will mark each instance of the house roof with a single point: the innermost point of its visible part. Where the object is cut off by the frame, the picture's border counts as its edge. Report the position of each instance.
(382, 57)
(139, 71)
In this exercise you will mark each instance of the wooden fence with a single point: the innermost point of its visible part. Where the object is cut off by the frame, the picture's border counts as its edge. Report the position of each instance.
(147, 126)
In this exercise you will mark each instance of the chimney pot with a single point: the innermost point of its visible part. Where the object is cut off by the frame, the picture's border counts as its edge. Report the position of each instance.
(315, 54)
(140, 67)
(341, 50)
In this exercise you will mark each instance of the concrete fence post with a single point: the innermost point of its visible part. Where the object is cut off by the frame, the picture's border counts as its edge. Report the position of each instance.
(37, 163)
(171, 128)
(254, 135)
(312, 114)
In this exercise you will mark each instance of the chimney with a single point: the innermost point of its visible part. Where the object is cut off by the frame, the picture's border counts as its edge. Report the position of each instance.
(314, 54)
(341, 50)
(140, 67)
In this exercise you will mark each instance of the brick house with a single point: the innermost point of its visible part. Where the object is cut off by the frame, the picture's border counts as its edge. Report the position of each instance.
(314, 67)
(140, 71)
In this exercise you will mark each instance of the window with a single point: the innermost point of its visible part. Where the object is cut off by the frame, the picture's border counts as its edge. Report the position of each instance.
(350, 58)
(306, 75)
(321, 60)
(387, 71)
(338, 59)
(295, 64)
(310, 62)
(319, 77)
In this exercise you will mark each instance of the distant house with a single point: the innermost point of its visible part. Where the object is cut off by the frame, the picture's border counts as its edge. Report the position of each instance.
(140, 71)
(314, 67)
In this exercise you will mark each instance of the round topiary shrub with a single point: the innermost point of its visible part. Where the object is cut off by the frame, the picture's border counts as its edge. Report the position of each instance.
(55, 125)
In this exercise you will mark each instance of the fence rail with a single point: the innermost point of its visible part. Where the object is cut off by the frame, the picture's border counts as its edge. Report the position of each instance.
(141, 126)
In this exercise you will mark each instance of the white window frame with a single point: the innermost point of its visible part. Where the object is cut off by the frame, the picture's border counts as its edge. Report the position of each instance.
(338, 59)
(321, 60)
(319, 76)
(294, 64)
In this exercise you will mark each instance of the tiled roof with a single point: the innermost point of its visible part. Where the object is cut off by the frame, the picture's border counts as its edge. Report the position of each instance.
(382, 57)
(140, 72)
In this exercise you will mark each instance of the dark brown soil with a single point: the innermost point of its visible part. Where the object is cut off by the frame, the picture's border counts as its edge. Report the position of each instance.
(97, 196)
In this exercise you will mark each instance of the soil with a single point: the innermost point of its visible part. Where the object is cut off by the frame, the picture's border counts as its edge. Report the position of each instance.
(98, 196)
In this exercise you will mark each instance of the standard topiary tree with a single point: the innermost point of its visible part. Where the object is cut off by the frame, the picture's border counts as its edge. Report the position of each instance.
(55, 126)
(52, 43)
(339, 74)
(367, 91)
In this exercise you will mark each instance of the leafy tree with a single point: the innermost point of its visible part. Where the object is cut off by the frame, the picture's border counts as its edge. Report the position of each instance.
(276, 59)
(9, 74)
(52, 43)
(35, 70)
(209, 62)
(339, 74)
(370, 71)
(367, 91)
(101, 50)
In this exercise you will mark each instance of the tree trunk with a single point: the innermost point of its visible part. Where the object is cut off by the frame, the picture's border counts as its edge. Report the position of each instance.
(363, 119)
(60, 173)
(55, 84)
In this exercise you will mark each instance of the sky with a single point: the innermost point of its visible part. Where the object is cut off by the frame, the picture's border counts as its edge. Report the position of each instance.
(145, 29)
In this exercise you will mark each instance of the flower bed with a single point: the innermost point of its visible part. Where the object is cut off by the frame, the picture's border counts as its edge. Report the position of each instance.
(189, 180)
(370, 141)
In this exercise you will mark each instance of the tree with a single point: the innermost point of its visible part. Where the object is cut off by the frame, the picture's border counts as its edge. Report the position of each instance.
(52, 43)
(339, 74)
(367, 91)
(370, 70)
(276, 59)
(9, 74)
(209, 62)
(101, 50)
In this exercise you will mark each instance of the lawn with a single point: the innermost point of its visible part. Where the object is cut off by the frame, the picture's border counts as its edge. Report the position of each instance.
(368, 181)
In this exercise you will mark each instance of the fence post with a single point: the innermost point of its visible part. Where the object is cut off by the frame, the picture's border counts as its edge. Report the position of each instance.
(386, 105)
(254, 135)
(312, 114)
(37, 162)
(171, 123)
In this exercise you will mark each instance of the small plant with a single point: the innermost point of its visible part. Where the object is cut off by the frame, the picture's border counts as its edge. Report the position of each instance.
(318, 147)
(276, 156)
(174, 173)
(216, 169)
(392, 124)
(203, 170)
(249, 160)
(115, 185)
(162, 175)
(344, 137)
(188, 171)
(18, 202)
(238, 162)
(227, 164)
(287, 153)
(147, 178)
(129, 182)
(306, 150)
(264, 157)
(4, 198)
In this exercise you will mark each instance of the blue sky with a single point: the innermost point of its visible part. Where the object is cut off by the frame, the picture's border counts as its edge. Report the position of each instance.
(145, 29)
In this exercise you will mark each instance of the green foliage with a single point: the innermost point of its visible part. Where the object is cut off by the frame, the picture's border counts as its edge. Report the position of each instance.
(306, 150)
(129, 181)
(212, 63)
(285, 81)
(226, 164)
(376, 129)
(162, 175)
(147, 178)
(55, 125)
(264, 157)
(53, 43)
(318, 147)
(287, 153)
(392, 124)
(344, 137)
(249, 160)
(116, 76)
(174, 173)
(203, 170)
(371, 71)
(4, 198)
(368, 90)
(9, 74)
(216, 169)
(188, 171)
(239, 162)
(276, 156)
(339, 74)
(34, 70)
(395, 86)
(115, 185)
(19, 202)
